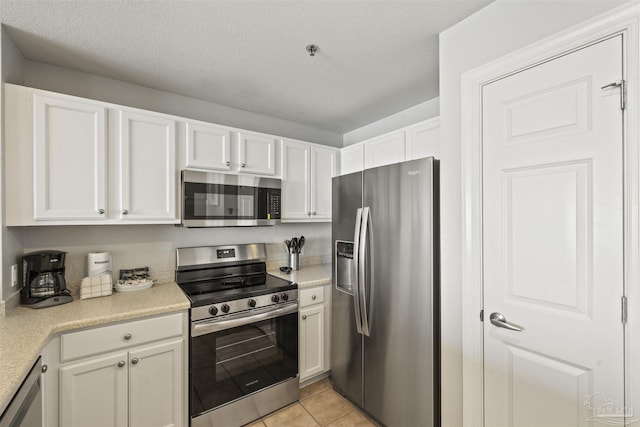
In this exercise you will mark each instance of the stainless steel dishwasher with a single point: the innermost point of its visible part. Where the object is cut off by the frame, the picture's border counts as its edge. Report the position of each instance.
(25, 409)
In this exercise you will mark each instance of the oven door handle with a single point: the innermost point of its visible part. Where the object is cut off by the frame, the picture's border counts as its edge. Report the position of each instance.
(207, 327)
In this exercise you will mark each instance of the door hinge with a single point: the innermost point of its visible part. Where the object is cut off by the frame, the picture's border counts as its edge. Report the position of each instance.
(623, 92)
(482, 315)
(624, 310)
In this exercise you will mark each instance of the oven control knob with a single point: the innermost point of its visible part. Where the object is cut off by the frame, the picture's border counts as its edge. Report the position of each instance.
(225, 308)
(252, 303)
(213, 310)
(275, 298)
(285, 297)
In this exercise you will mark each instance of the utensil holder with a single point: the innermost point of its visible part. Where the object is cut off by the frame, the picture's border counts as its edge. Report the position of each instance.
(294, 261)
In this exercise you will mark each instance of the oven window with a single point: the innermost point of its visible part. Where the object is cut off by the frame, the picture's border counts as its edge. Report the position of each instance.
(218, 201)
(233, 363)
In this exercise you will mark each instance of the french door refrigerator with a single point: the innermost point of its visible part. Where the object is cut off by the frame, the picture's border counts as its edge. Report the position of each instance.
(385, 350)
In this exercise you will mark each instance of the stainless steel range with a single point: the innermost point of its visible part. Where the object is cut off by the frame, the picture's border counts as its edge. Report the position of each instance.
(243, 355)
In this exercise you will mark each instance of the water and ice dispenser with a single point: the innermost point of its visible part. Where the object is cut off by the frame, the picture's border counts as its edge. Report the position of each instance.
(345, 266)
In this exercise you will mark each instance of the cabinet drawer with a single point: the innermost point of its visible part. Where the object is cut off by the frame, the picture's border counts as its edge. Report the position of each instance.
(311, 296)
(107, 338)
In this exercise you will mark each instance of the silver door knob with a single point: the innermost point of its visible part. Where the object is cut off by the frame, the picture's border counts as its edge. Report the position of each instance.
(100, 211)
(127, 337)
(135, 361)
(497, 319)
(125, 212)
(121, 364)
(304, 317)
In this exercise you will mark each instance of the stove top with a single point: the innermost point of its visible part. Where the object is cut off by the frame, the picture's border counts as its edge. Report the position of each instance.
(198, 296)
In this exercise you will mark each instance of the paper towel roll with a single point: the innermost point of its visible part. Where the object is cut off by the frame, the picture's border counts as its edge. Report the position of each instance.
(98, 263)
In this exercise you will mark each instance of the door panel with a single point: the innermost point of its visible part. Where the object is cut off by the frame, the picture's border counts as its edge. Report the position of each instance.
(401, 348)
(553, 240)
(346, 343)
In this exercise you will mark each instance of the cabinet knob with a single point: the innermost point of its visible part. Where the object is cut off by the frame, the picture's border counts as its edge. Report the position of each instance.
(135, 361)
(313, 297)
(127, 337)
(44, 368)
(100, 211)
(227, 163)
(243, 165)
(313, 213)
(121, 364)
(125, 212)
(309, 213)
(304, 317)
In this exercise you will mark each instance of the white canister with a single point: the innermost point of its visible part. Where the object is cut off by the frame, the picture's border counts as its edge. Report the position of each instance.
(98, 263)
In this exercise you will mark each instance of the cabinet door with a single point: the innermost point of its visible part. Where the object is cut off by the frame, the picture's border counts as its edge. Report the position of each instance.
(94, 392)
(323, 168)
(70, 159)
(311, 341)
(295, 181)
(147, 168)
(208, 147)
(257, 154)
(352, 159)
(156, 385)
(423, 140)
(384, 150)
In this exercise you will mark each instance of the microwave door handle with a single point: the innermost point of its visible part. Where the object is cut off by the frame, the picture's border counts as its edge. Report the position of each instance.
(366, 242)
(356, 263)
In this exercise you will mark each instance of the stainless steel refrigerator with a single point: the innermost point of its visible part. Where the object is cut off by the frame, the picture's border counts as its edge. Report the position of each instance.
(385, 349)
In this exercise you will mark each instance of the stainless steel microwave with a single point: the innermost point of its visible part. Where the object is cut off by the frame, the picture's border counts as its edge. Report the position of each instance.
(220, 200)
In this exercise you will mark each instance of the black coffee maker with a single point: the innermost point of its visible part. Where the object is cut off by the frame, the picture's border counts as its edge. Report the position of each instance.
(43, 283)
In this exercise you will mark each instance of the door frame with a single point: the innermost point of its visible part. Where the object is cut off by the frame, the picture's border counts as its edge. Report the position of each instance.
(623, 20)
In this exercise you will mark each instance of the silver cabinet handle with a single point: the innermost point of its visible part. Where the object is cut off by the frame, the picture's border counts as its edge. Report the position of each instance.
(135, 361)
(100, 211)
(304, 317)
(497, 319)
(127, 337)
(125, 212)
(121, 364)
(313, 297)
(227, 163)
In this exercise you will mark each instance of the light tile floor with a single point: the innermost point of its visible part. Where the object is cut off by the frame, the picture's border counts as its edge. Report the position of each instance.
(319, 405)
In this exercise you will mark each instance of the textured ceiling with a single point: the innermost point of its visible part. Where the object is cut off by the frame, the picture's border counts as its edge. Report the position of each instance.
(376, 57)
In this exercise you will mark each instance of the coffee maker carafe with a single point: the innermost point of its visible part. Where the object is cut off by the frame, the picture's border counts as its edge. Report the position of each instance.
(43, 282)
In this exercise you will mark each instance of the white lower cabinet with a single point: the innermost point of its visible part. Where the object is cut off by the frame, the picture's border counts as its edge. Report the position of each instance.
(314, 331)
(135, 385)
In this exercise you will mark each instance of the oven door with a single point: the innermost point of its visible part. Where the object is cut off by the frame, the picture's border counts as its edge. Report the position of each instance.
(237, 356)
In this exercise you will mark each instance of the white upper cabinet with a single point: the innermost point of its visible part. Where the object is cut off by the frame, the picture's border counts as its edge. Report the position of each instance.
(208, 146)
(256, 153)
(413, 142)
(147, 167)
(352, 159)
(423, 140)
(70, 159)
(306, 185)
(384, 150)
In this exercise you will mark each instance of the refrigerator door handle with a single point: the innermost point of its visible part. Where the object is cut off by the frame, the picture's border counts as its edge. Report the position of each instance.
(366, 241)
(356, 264)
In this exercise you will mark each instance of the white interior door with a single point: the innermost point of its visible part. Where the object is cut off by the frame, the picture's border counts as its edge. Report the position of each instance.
(553, 241)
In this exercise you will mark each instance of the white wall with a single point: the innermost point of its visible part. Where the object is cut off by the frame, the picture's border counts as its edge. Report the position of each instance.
(415, 114)
(154, 245)
(500, 28)
(77, 83)
(11, 70)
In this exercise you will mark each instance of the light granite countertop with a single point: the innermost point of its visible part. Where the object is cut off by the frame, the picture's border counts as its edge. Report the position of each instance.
(306, 277)
(25, 331)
